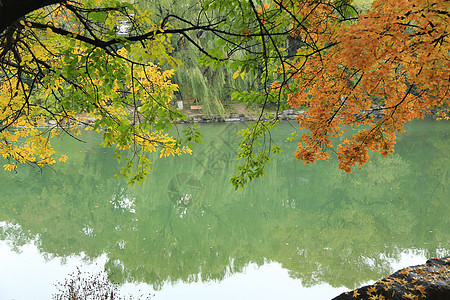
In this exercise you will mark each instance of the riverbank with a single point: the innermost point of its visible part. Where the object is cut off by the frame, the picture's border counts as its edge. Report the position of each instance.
(238, 112)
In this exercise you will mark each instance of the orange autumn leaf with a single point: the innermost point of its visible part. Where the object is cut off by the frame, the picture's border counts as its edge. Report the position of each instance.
(371, 290)
(378, 72)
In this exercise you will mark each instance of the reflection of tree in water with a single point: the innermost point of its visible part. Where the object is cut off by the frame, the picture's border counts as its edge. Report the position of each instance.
(212, 162)
(220, 149)
(322, 225)
(183, 189)
(72, 209)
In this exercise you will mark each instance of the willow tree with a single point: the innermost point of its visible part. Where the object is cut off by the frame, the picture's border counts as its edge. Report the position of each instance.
(199, 84)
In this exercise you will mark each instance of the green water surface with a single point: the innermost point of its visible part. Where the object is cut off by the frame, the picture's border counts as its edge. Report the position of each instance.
(187, 224)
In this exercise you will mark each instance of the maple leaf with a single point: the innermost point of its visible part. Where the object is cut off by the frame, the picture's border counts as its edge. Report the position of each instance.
(421, 289)
(371, 290)
(411, 296)
(364, 50)
(404, 272)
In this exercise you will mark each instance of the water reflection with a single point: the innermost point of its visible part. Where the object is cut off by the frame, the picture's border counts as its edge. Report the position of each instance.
(188, 224)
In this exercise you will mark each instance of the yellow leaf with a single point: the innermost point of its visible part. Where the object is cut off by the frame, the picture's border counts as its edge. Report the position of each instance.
(242, 75)
(236, 74)
(421, 289)
(371, 290)
(9, 167)
(410, 296)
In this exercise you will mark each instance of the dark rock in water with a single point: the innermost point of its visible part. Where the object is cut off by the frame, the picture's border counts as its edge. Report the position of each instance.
(428, 281)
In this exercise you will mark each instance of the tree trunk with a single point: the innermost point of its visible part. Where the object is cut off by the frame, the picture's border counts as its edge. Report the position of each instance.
(11, 10)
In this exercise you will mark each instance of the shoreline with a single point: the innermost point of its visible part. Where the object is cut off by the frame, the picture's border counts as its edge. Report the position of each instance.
(286, 115)
(197, 117)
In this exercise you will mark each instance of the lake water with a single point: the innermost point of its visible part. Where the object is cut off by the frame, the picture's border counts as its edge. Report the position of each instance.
(302, 232)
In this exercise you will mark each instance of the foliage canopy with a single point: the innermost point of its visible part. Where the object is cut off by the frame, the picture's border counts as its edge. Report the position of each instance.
(108, 64)
(71, 65)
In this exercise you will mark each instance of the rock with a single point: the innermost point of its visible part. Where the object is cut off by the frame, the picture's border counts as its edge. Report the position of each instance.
(377, 111)
(428, 281)
(90, 120)
(197, 118)
(288, 112)
(233, 120)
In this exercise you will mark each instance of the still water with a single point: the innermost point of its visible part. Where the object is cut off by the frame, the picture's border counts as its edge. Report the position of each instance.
(302, 232)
